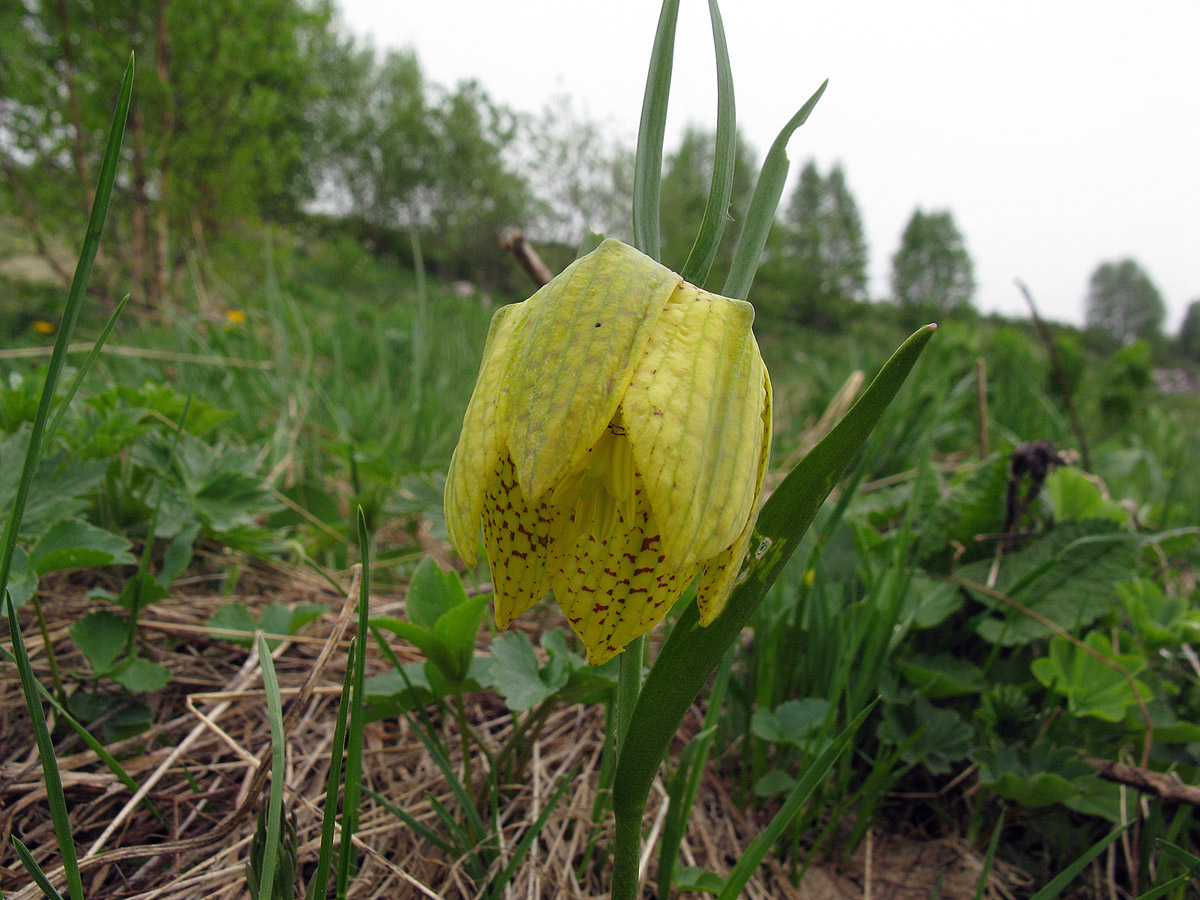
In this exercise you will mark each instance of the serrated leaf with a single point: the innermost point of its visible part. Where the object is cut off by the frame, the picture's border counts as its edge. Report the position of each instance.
(941, 676)
(791, 722)
(693, 878)
(1035, 776)
(928, 735)
(517, 675)
(1091, 687)
(236, 617)
(75, 544)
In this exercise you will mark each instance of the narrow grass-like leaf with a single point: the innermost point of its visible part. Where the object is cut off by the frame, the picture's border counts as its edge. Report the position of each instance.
(278, 752)
(1163, 889)
(527, 839)
(716, 211)
(54, 791)
(763, 202)
(989, 858)
(647, 167)
(354, 737)
(813, 776)
(1059, 882)
(319, 885)
(85, 366)
(424, 831)
(34, 870)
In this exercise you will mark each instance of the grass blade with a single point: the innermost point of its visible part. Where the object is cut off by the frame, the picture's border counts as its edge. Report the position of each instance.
(278, 751)
(989, 857)
(1067, 875)
(527, 839)
(763, 203)
(815, 774)
(352, 792)
(425, 832)
(716, 211)
(647, 171)
(34, 870)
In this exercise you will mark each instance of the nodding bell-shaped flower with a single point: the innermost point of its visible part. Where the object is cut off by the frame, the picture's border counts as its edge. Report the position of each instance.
(614, 448)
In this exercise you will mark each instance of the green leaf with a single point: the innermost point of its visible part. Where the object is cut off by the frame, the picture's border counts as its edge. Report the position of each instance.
(791, 722)
(1091, 687)
(141, 676)
(517, 676)
(774, 782)
(432, 593)
(431, 645)
(693, 878)
(928, 735)
(178, 555)
(1075, 496)
(75, 544)
(458, 629)
(21, 582)
(235, 617)
(941, 676)
(647, 166)
(1034, 776)
(102, 636)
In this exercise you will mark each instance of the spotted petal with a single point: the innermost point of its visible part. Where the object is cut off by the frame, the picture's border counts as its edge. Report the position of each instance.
(477, 453)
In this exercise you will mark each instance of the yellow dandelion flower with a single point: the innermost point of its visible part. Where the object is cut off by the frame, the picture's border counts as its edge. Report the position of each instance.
(42, 327)
(235, 316)
(614, 448)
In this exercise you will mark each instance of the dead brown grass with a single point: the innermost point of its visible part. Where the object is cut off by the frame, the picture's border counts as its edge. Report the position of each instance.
(202, 757)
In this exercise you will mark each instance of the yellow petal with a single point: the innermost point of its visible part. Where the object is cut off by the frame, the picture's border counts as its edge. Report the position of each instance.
(694, 408)
(720, 574)
(584, 334)
(612, 587)
(517, 536)
(475, 457)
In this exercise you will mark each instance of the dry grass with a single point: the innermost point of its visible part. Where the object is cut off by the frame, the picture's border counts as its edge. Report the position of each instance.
(211, 736)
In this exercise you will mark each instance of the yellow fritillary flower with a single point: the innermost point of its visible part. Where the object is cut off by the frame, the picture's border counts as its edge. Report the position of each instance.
(614, 448)
(235, 316)
(42, 327)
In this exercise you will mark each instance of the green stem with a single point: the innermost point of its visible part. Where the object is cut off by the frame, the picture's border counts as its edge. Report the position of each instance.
(460, 712)
(629, 685)
(627, 847)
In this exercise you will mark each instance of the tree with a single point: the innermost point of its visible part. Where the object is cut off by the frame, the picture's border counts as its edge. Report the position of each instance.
(932, 271)
(687, 176)
(216, 133)
(1123, 302)
(819, 254)
(1189, 332)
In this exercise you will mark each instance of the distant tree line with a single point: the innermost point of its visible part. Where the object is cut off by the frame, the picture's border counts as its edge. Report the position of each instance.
(252, 110)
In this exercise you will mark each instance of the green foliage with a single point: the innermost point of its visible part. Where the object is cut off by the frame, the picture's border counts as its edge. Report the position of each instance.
(932, 272)
(1189, 332)
(1123, 303)
(816, 257)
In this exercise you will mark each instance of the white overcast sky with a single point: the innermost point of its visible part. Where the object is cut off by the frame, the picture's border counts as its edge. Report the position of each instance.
(1060, 133)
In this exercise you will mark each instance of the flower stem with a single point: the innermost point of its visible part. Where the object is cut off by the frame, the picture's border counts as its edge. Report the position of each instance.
(629, 685)
(627, 846)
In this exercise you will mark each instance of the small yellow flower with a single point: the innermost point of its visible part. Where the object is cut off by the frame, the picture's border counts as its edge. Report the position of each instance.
(42, 327)
(235, 316)
(614, 448)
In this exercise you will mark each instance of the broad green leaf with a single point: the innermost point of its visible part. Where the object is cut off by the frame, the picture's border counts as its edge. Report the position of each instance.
(235, 617)
(941, 676)
(693, 878)
(1074, 496)
(102, 636)
(141, 676)
(774, 782)
(432, 593)
(75, 544)
(929, 735)
(1157, 618)
(434, 648)
(517, 675)
(791, 722)
(458, 629)
(1034, 776)
(21, 582)
(1091, 687)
